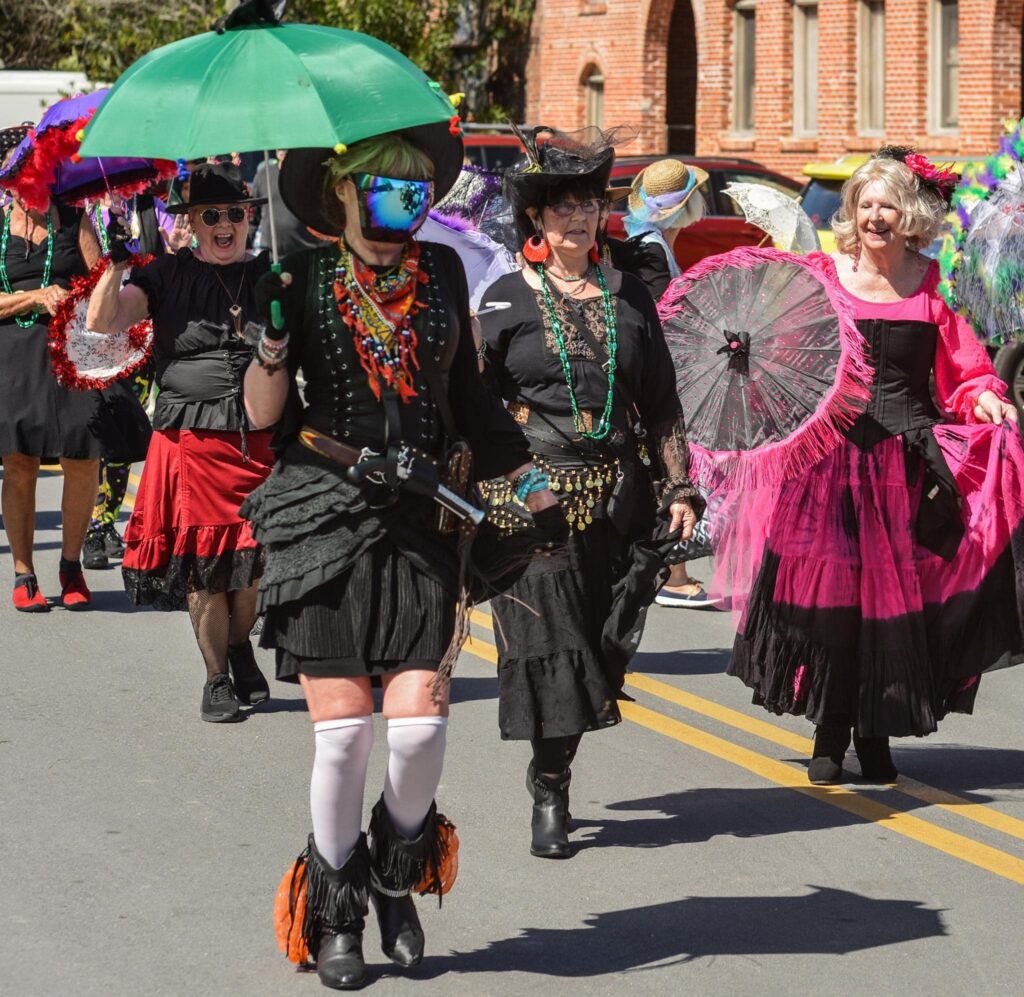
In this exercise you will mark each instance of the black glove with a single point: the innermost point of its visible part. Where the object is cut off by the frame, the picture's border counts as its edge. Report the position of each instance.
(552, 527)
(270, 288)
(118, 238)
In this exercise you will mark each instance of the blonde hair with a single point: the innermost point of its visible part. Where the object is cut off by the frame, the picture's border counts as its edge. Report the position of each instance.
(386, 155)
(922, 211)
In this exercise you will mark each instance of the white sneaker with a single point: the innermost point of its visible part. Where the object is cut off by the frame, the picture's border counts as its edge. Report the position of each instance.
(666, 597)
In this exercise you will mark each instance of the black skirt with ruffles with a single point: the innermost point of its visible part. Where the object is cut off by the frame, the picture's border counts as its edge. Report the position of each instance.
(347, 589)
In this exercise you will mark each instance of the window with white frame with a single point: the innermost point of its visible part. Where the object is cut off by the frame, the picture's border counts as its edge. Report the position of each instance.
(593, 98)
(805, 67)
(944, 47)
(871, 67)
(743, 66)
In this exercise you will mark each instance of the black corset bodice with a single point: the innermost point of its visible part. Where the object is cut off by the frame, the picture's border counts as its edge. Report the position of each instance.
(339, 399)
(903, 355)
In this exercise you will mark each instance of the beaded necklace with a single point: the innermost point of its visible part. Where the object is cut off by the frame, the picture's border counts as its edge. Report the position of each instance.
(612, 330)
(26, 321)
(378, 308)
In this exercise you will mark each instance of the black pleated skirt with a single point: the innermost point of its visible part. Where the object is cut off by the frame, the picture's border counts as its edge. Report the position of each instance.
(382, 615)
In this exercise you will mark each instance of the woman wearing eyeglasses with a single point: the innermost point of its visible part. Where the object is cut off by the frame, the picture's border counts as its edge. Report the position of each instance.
(185, 543)
(576, 349)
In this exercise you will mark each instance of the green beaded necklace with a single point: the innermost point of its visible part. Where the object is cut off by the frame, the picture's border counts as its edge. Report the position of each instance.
(605, 424)
(101, 232)
(26, 321)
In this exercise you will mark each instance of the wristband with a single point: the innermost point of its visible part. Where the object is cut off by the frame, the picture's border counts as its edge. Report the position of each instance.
(529, 482)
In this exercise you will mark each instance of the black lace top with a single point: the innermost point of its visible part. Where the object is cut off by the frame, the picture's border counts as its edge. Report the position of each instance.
(523, 356)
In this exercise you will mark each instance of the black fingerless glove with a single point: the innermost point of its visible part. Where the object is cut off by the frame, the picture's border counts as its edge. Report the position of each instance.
(118, 238)
(270, 288)
(551, 525)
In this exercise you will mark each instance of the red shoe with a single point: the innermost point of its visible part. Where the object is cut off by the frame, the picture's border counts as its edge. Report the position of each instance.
(27, 598)
(74, 593)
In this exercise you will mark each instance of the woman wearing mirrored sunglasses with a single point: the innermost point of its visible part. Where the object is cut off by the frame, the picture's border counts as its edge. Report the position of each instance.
(362, 583)
(579, 355)
(186, 545)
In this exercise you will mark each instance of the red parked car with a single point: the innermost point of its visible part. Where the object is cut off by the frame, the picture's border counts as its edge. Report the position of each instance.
(723, 226)
(491, 151)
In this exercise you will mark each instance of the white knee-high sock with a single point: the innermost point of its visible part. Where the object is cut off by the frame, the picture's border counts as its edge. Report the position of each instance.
(337, 783)
(414, 770)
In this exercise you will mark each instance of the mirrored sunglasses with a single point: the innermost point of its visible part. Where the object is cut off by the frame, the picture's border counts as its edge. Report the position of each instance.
(211, 216)
(390, 205)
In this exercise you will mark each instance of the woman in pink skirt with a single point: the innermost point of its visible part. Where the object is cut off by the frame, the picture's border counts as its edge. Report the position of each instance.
(875, 588)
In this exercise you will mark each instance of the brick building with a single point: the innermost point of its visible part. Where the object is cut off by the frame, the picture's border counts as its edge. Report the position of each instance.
(780, 81)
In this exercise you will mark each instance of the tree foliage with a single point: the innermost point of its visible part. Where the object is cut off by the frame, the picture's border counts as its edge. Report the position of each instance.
(475, 46)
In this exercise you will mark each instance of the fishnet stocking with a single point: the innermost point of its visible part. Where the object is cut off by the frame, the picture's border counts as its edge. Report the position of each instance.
(220, 618)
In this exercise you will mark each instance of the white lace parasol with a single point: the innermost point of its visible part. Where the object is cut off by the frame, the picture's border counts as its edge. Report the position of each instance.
(777, 214)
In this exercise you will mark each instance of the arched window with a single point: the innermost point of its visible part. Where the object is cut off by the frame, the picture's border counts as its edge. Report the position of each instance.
(593, 97)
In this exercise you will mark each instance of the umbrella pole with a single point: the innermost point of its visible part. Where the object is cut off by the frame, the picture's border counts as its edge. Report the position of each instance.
(276, 315)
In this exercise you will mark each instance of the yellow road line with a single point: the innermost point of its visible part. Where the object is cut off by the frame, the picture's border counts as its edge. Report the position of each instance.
(976, 812)
(959, 846)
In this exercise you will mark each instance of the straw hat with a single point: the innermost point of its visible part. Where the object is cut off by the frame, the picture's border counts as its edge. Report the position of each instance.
(666, 176)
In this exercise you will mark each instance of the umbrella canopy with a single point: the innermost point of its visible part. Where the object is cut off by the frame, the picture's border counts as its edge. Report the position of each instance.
(770, 367)
(48, 160)
(267, 86)
(777, 214)
(483, 259)
(982, 255)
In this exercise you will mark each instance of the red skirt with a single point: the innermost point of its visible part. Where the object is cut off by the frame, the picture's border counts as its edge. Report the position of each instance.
(185, 533)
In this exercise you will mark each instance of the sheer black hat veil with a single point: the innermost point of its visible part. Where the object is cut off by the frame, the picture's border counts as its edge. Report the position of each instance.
(554, 156)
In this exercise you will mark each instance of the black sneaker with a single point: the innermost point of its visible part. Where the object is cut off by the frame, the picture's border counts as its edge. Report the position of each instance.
(219, 703)
(250, 685)
(94, 554)
(112, 542)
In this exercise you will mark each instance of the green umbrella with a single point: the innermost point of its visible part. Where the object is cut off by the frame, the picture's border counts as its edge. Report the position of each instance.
(262, 86)
(254, 84)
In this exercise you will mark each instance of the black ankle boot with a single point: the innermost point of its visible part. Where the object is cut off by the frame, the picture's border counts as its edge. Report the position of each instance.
(830, 743)
(876, 763)
(250, 685)
(550, 817)
(335, 908)
(531, 777)
(398, 865)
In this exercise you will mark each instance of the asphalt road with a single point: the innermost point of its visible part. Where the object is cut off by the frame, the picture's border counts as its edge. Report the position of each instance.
(140, 848)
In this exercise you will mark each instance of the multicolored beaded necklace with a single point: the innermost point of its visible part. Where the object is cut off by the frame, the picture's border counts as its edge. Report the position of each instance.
(378, 308)
(26, 321)
(612, 340)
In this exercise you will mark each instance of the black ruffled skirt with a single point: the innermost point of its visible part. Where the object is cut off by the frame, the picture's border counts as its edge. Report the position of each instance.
(340, 593)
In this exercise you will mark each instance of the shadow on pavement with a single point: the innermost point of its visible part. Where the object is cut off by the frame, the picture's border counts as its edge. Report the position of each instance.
(823, 922)
(960, 767)
(712, 661)
(696, 815)
(466, 689)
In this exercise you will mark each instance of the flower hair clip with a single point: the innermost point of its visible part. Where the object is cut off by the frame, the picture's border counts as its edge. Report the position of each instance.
(942, 182)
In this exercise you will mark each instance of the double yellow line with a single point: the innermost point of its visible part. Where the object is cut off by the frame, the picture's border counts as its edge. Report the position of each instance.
(791, 776)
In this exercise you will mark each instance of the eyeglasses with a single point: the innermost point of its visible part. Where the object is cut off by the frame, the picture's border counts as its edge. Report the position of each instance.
(211, 216)
(566, 209)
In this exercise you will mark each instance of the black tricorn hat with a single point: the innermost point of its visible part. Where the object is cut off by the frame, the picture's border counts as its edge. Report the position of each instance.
(214, 183)
(304, 172)
(554, 156)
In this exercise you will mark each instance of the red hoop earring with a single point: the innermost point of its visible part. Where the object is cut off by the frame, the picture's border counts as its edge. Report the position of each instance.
(595, 254)
(536, 249)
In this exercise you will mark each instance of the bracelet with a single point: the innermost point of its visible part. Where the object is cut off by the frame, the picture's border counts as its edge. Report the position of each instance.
(481, 352)
(271, 353)
(528, 482)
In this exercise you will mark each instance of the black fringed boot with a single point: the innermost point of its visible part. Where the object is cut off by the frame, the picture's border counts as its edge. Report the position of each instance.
(550, 824)
(398, 865)
(335, 911)
(876, 764)
(830, 743)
